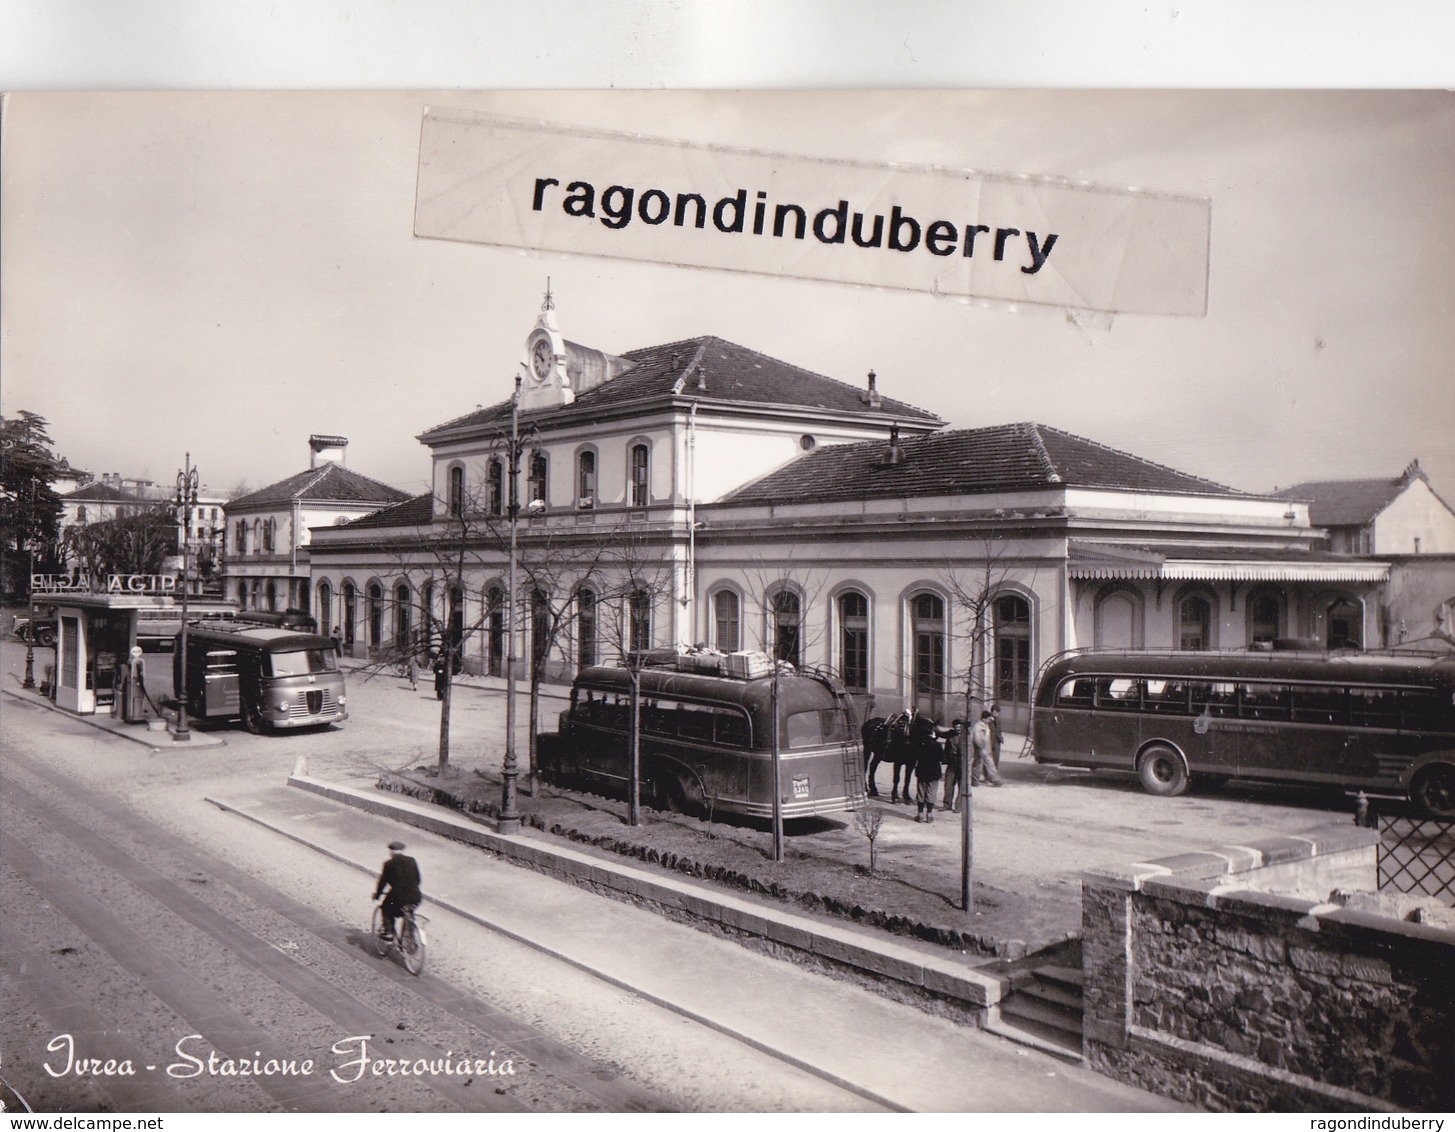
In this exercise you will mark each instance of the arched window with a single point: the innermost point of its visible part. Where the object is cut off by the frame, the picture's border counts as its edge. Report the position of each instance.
(640, 493)
(927, 662)
(457, 624)
(457, 490)
(270, 594)
(325, 608)
(256, 597)
(536, 483)
(787, 627)
(726, 621)
(1194, 622)
(854, 640)
(347, 595)
(1118, 618)
(426, 617)
(540, 629)
(585, 628)
(1345, 619)
(269, 526)
(403, 619)
(639, 627)
(1013, 654)
(376, 614)
(242, 594)
(586, 479)
(495, 488)
(1265, 615)
(81, 513)
(495, 605)
(240, 538)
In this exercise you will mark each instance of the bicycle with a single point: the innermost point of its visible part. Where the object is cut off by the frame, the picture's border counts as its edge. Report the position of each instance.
(410, 939)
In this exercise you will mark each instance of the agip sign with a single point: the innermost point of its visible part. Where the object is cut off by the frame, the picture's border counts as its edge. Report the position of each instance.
(113, 584)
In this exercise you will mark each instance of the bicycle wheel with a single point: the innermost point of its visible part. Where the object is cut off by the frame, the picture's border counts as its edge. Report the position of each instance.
(376, 925)
(412, 945)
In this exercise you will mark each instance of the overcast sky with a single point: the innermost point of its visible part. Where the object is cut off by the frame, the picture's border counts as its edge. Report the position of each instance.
(227, 273)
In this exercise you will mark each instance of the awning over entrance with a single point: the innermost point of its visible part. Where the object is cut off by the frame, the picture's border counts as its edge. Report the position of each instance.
(1107, 561)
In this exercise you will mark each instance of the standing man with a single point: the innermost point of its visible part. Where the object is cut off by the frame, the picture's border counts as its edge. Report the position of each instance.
(924, 738)
(982, 769)
(400, 876)
(995, 735)
(954, 754)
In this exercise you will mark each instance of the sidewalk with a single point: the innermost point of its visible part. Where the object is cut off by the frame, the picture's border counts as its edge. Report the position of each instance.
(803, 1017)
(158, 740)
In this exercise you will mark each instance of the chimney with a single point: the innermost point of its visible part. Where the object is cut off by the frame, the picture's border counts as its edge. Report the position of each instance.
(894, 453)
(870, 396)
(326, 449)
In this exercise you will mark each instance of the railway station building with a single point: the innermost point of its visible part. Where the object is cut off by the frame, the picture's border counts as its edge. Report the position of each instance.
(702, 493)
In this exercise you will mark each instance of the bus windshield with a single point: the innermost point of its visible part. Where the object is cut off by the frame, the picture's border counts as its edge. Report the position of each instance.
(302, 662)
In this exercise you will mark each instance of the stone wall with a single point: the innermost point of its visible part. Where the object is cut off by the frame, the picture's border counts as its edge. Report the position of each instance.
(1204, 984)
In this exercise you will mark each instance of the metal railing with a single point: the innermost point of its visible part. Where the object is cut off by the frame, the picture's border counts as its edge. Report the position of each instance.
(1417, 857)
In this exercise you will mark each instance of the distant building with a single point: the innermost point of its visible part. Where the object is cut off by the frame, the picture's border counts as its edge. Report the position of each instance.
(1403, 521)
(1402, 515)
(267, 536)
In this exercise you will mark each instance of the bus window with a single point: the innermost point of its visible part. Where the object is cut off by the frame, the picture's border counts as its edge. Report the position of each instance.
(1165, 696)
(1265, 701)
(1320, 703)
(803, 729)
(1216, 698)
(731, 729)
(1075, 692)
(694, 722)
(1373, 707)
(1426, 711)
(302, 662)
(1119, 693)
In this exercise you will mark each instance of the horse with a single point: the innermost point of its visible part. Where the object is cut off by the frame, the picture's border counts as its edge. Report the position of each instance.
(887, 740)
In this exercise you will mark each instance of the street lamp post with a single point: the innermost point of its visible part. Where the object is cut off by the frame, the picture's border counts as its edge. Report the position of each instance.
(186, 501)
(29, 681)
(509, 819)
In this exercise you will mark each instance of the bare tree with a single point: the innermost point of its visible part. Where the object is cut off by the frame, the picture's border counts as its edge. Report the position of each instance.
(638, 575)
(974, 587)
(783, 593)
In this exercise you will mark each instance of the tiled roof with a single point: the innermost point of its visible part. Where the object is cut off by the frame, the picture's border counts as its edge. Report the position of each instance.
(327, 483)
(416, 512)
(1002, 457)
(1344, 503)
(711, 369)
(101, 493)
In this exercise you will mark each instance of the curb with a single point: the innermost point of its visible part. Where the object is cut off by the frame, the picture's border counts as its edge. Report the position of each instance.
(883, 961)
(102, 723)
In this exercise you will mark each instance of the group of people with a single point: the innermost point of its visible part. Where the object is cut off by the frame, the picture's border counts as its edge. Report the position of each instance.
(985, 741)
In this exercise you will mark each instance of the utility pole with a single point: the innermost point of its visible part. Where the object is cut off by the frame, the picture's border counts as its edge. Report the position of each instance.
(186, 501)
(509, 819)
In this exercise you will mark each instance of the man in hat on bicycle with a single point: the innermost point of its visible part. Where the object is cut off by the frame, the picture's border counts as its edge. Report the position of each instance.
(400, 877)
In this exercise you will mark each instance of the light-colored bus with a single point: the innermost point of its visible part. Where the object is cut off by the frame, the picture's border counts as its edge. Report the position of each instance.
(267, 677)
(1353, 721)
(706, 741)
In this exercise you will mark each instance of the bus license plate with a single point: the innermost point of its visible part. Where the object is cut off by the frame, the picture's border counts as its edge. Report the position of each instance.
(800, 787)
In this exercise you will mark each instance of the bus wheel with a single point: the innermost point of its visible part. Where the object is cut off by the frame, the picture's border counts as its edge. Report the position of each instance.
(675, 795)
(252, 719)
(1433, 791)
(1162, 771)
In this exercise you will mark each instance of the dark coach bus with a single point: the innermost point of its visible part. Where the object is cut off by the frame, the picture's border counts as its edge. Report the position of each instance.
(267, 677)
(1382, 724)
(706, 740)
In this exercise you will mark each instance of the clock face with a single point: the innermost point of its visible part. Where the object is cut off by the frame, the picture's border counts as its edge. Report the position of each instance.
(541, 359)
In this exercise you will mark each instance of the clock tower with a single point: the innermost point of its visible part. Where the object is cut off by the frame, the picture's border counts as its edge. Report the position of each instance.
(546, 384)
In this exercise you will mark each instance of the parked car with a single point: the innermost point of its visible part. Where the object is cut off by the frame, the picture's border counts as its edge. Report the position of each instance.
(39, 630)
